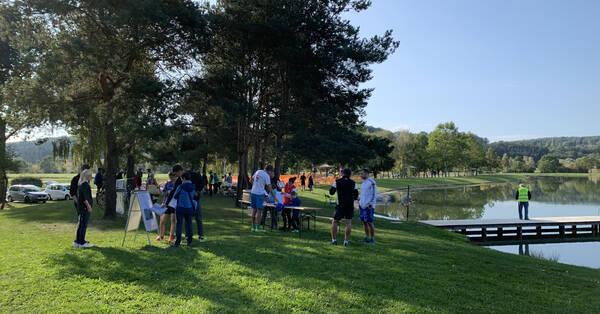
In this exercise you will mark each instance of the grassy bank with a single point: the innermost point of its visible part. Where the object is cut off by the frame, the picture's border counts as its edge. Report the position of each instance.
(412, 268)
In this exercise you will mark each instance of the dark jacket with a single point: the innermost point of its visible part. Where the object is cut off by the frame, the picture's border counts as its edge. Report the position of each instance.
(73, 187)
(185, 195)
(84, 193)
(170, 196)
(347, 192)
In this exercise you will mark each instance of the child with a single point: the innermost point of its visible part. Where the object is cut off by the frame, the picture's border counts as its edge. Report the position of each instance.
(295, 202)
(185, 208)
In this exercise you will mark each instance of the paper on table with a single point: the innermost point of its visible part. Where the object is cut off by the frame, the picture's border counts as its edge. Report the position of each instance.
(159, 210)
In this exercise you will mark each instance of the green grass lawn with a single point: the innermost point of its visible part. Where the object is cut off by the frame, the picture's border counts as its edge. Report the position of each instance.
(412, 268)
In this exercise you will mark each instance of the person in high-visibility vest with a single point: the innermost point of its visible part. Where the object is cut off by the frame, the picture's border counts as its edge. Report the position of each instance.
(523, 197)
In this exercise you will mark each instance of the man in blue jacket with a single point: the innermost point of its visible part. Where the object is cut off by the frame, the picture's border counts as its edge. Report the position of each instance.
(185, 208)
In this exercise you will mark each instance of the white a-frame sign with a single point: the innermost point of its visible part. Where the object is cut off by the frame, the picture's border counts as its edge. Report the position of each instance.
(140, 208)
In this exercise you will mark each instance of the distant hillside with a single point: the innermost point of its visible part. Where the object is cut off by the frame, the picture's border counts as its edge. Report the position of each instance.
(30, 151)
(562, 147)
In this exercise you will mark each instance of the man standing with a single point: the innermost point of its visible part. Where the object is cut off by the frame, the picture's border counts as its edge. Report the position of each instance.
(211, 184)
(303, 181)
(74, 184)
(523, 196)
(99, 180)
(198, 180)
(261, 181)
(347, 192)
(366, 205)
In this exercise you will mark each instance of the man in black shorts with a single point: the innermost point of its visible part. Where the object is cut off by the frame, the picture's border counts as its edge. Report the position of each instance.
(347, 192)
(303, 181)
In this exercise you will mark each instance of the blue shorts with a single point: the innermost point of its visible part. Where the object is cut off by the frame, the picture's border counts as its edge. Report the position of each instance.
(366, 215)
(257, 201)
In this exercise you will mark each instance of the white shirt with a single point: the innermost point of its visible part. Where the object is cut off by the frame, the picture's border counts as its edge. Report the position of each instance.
(368, 194)
(260, 179)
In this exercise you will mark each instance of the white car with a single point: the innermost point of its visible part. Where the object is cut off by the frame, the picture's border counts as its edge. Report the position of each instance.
(59, 191)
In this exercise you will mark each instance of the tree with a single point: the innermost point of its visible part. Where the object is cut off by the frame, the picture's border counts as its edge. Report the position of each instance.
(492, 160)
(548, 164)
(474, 155)
(124, 43)
(446, 147)
(19, 53)
(505, 163)
(47, 165)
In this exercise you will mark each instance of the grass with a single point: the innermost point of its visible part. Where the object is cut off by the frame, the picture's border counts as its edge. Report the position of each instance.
(413, 268)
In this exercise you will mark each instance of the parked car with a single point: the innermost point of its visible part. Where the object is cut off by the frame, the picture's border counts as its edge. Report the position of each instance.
(27, 194)
(49, 182)
(58, 191)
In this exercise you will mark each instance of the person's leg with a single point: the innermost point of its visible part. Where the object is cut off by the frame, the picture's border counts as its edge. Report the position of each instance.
(521, 210)
(173, 226)
(526, 205)
(367, 230)
(334, 226)
(348, 229)
(274, 216)
(162, 226)
(79, 235)
(284, 218)
(259, 216)
(85, 219)
(296, 219)
(372, 229)
(189, 228)
(198, 215)
(178, 229)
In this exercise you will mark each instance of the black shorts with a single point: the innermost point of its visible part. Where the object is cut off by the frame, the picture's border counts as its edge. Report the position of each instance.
(170, 210)
(346, 213)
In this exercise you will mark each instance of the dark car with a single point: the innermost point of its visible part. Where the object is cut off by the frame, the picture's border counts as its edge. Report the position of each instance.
(27, 194)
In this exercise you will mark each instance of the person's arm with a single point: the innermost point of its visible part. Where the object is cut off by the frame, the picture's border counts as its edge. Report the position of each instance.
(88, 197)
(517, 196)
(355, 192)
(529, 195)
(333, 188)
(374, 196)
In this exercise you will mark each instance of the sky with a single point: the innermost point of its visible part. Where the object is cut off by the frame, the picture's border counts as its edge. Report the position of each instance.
(504, 70)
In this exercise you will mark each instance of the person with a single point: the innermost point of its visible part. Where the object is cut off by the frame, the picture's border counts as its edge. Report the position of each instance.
(311, 183)
(303, 181)
(138, 179)
(74, 184)
(278, 200)
(120, 174)
(523, 196)
(261, 182)
(150, 177)
(286, 213)
(229, 179)
(184, 194)
(198, 181)
(211, 184)
(347, 193)
(295, 202)
(170, 212)
(217, 183)
(84, 208)
(366, 205)
(99, 180)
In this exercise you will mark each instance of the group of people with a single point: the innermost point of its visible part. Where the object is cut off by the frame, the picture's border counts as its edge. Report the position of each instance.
(182, 199)
(286, 199)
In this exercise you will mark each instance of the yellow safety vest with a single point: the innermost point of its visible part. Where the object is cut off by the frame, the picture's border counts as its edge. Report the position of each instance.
(523, 195)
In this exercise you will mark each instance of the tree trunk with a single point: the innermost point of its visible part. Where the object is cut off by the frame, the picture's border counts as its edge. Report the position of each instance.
(112, 165)
(256, 156)
(242, 182)
(3, 164)
(130, 173)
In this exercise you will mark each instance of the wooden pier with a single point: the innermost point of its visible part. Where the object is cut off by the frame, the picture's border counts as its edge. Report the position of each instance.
(519, 230)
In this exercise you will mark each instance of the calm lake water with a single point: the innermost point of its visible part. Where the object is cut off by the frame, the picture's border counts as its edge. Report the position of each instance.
(551, 197)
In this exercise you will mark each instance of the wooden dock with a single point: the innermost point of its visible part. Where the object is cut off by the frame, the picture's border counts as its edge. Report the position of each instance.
(516, 229)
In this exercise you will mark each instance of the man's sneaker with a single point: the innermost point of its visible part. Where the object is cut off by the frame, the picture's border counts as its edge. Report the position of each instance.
(259, 229)
(334, 242)
(345, 243)
(295, 231)
(158, 239)
(202, 239)
(86, 245)
(75, 244)
(372, 241)
(365, 240)
(171, 239)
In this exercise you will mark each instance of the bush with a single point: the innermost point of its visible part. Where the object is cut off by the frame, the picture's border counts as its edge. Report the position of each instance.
(27, 181)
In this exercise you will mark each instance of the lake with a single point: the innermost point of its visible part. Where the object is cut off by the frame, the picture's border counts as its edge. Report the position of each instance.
(551, 197)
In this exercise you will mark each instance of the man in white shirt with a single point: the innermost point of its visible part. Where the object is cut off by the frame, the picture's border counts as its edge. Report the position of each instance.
(366, 205)
(261, 182)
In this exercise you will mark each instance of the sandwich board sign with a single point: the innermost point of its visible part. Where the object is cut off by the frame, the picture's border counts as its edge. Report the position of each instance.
(140, 208)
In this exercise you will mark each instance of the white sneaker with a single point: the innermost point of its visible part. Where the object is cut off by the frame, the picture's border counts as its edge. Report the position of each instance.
(87, 245)
(75, 244)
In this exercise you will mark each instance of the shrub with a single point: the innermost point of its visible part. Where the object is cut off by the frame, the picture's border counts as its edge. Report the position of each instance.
(27, 181)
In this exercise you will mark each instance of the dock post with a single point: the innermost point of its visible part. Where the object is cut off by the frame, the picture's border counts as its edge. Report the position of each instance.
(483, 233)
(500, 233)
(561, 231)
(520, 232)
(574, 229)
(538, 230)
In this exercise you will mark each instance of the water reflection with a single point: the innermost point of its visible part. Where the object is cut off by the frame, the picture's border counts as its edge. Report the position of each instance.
(551, 196)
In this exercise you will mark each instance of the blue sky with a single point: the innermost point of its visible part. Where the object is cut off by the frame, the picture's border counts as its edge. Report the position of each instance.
(502, 69)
